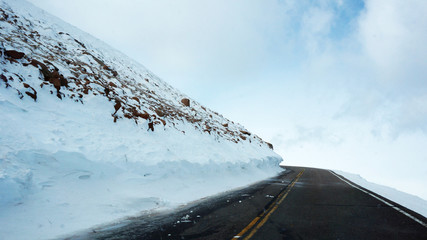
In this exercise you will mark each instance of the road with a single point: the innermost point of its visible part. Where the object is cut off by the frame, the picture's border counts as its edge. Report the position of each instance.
(300, 203)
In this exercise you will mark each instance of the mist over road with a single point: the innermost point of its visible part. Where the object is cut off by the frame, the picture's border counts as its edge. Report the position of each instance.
(300, 203)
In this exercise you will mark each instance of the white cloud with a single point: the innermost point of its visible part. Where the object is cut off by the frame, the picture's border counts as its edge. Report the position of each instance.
(394, 33)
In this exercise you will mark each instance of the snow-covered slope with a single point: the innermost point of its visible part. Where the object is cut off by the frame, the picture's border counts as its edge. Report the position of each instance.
(75, 150)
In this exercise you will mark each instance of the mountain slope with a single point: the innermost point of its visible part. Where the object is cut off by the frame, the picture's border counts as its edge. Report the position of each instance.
(76, 144)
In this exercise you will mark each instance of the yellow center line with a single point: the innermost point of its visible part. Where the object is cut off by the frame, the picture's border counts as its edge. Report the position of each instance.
(267, 213)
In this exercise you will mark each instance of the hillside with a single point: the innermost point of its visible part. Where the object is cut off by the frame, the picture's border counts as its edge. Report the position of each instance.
(89, 136)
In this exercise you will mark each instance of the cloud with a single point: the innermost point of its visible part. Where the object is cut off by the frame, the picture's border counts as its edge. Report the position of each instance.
(393, 34)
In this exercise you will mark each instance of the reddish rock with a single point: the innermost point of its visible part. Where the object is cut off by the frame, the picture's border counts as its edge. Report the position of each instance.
(160, 113)
(3, 77)
(80, 43)
(144, 115)
(14, 54)
(245, 132)
(53, 77)
(45, 71)
(225, 125)
(117, 106)
(107, 91)
(43, 83)
(86, 90)
(64, 81)
(54, 74)
(32, 95)
(186, 102)
(136, 99)
(150, 126)
(111, 84)
(20, 94)
(56, 82)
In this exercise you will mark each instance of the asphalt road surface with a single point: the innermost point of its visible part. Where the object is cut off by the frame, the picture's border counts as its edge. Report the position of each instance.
(300, 203)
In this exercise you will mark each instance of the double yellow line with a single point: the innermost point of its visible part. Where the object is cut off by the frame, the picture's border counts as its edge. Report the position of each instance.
(266, 214)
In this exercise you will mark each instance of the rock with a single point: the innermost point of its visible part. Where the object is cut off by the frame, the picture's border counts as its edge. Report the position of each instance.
(64, 81)
(14, 54)
(3, 77)
(111, 84)
(245, 132)
(186, 102)
(53, 77)
(160, 113)
(270, 146)
(54, 74)
(117, 106)
(32, 95)
(80, 43)
(143, 115)
(45, 71)
(150, 126)
(136, 99)
(56, 82)
(20, 94)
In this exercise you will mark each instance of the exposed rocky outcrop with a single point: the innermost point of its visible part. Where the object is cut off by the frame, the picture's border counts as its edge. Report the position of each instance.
(14, 54)
(68, 66)
(186, 102)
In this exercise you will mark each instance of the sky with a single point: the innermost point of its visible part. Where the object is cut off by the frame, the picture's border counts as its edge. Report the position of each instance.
(337, 84)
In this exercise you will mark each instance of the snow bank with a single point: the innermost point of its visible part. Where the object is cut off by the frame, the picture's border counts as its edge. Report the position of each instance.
(409, 201)
(66, 166)
(64, 171)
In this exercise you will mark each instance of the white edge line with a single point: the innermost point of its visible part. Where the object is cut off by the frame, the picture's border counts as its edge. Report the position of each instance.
(382, 200)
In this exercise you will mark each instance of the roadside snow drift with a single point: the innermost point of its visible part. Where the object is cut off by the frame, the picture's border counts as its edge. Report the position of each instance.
(409, 201)
(77, 146)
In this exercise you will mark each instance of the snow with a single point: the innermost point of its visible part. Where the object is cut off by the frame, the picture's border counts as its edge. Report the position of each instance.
(65, 165)
(409, 201)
